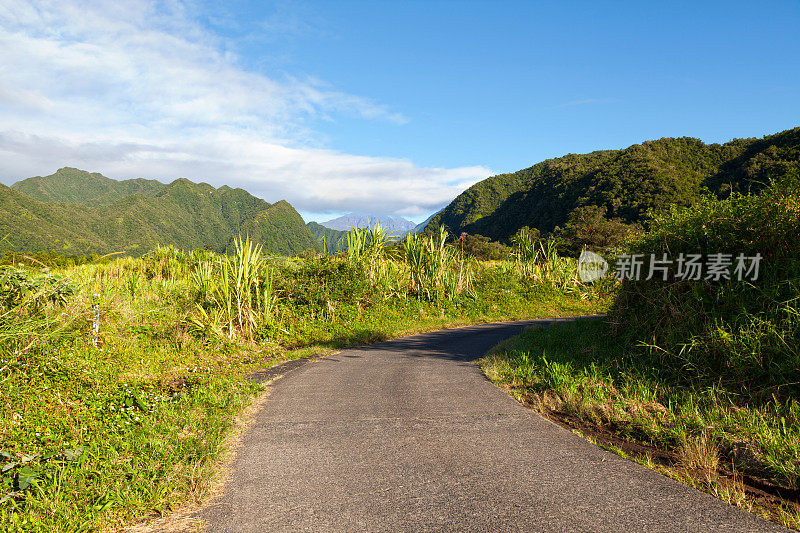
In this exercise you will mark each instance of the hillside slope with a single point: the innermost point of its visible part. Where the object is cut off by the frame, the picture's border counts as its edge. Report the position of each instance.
(422, 225)
(335, 239)
(75, 186)
(281, 230)
(628, 182)
(183, 214)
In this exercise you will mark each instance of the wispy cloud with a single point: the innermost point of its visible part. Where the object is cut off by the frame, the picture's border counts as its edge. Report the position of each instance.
(313, 180)
(141, 89)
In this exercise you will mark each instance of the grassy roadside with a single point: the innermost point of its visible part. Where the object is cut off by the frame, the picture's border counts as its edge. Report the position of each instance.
(695, 376)
(581, 375)
(96, 438)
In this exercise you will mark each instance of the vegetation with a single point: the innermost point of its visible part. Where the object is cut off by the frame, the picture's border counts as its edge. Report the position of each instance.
(703, 373)
(75, 186)
(331, 239)
(98, 437)
(589, 228)
(183, 214)
(622, 185)
(481, 247)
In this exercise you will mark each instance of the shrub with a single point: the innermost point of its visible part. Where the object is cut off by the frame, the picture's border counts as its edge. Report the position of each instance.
(743, 335)
(588, 227)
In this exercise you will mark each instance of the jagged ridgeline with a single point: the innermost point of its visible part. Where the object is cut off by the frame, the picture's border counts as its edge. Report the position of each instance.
(626, 183)
(77, 212)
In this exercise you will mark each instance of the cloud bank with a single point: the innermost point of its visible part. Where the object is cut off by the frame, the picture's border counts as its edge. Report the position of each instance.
(139, 89)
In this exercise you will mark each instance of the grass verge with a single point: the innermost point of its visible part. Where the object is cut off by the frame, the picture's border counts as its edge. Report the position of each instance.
(101, 437)
(582, 376)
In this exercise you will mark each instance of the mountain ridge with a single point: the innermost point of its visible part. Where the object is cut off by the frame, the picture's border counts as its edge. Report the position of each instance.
(182, 213)
(390, 223)
(72, 185)
(626, 183)
(334, 239)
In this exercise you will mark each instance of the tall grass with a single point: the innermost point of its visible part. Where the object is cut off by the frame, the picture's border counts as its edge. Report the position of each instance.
(93, 438)
(538, 260)
(742, 335)
(527, 248)
(234, 296)
(581, 370)
(25, 300)
(436, 270)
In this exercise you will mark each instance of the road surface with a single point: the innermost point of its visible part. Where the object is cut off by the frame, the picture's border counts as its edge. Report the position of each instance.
(409, 435)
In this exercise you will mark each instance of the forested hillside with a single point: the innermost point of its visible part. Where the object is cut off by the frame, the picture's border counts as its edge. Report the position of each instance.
(80, 187)
(336, 240)
(280, 229)
(184, 214)
(626, 183)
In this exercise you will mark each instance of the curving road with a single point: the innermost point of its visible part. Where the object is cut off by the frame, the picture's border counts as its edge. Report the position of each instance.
(409, 435)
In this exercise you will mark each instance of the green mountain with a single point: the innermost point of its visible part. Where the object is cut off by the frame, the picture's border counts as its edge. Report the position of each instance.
(184, 214)
(422, 225)
(75, 186)
(626, 183)
(336, 239)
(281, 229)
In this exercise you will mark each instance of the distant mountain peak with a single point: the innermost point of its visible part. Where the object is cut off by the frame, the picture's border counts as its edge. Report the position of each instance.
(391, 223)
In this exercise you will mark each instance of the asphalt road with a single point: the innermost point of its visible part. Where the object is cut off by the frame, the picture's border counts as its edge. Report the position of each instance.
(409, 435)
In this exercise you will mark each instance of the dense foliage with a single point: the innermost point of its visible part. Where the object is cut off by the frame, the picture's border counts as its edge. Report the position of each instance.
(334, 239)
(589, 227)
(182, 214)
(80, 187)
(742, 335)
(481, 247)
(654, 175)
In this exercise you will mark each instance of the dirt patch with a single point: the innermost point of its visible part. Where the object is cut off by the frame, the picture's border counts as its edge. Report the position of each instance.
(178, 384)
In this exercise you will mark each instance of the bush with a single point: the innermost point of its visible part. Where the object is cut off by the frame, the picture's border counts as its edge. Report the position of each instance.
(742, 335)
(483, 248)
(588, 227)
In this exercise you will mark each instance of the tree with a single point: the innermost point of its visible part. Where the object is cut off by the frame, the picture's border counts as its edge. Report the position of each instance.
(482, 247)
(588, 227)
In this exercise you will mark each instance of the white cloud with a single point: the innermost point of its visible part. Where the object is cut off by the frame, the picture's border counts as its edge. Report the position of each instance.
(138, 89)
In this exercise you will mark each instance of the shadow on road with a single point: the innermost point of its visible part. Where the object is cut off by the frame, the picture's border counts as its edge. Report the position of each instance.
(460, 344)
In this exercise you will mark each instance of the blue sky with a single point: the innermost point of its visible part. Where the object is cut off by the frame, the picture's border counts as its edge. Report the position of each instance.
(390, 107)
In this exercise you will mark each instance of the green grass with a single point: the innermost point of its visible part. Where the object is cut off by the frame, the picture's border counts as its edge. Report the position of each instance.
(97, 438)
(581, 369)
